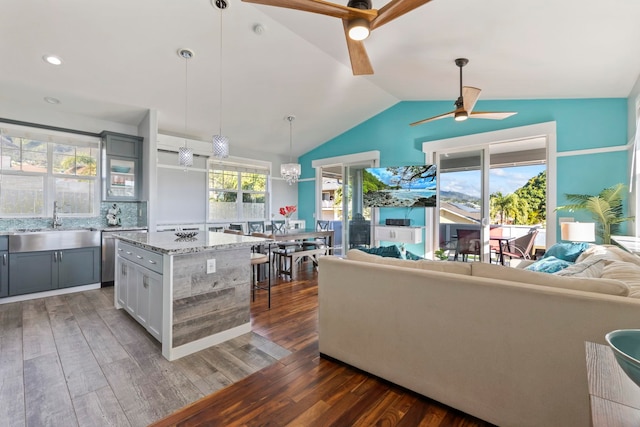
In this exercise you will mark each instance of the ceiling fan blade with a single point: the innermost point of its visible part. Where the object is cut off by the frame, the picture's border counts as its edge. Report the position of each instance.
(430, 119)
(322, 7)
(470, 96)
(395, 9)
(491, 115)
(360, 64)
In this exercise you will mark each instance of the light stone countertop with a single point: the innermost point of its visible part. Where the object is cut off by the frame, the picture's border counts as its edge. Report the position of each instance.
(168, 243)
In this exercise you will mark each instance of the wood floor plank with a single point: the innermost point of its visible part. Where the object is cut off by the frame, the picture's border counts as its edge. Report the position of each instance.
(12, 409)
(10, 317)
(100, 408)
(47, 398)
(80, 367)
(104, 345)
(36, 330)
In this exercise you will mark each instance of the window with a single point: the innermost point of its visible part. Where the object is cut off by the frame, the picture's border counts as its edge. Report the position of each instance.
(36, 170)
(237, 193)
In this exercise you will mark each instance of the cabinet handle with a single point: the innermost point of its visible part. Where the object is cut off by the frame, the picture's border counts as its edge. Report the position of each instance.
(138, 256)
(145, 281)
(128, 253)
(55, 256)
(119, 249)
(150, 261)
(4, 259)
(60, 256)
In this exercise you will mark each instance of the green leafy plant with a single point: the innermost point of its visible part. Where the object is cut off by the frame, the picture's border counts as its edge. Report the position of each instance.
(605, 208)
(441, 254)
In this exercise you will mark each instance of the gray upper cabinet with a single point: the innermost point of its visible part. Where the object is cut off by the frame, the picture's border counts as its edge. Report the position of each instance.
(122, 162)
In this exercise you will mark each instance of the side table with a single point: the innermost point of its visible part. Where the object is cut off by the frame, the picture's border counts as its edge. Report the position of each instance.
(615, 399)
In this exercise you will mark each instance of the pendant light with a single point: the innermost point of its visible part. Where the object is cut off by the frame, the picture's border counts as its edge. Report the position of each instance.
(220, 142)
(185, 154)
(290, 172)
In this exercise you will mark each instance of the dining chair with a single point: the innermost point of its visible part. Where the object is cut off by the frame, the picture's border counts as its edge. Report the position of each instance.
(318, 242)
(277, 226)
(522, 247)
(258, 259)
(468, 244)
(236, 227)
(255, 226)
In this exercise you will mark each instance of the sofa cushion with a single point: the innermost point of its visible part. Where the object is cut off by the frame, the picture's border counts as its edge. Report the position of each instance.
(424, 264)
(548, 264)
(609, 252)
(625, 272)
(566, 251)
(383, 251)
(591, 267)
(603, 286)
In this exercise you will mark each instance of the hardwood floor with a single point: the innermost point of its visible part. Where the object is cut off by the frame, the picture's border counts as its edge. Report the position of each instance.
(303, 389)
(74, 360)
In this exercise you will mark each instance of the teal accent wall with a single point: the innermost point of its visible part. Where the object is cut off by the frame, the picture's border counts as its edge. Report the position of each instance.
(581, 124)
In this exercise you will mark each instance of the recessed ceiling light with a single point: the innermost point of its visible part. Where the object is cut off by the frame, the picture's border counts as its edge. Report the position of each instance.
(51, 100)
(52, 59)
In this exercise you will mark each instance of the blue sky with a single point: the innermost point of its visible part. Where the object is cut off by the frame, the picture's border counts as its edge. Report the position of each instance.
(505, 180)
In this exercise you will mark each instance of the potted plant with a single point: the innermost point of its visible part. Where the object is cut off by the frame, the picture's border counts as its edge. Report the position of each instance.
(441, 254)
(605, 209)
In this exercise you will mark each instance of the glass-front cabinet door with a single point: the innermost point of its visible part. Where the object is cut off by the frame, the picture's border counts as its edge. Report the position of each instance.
(121, 179)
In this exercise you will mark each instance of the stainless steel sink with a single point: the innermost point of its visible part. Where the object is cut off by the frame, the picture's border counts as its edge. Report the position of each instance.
(51, 240)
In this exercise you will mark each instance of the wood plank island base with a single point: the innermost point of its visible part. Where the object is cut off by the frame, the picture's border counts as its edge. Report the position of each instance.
(189, 293)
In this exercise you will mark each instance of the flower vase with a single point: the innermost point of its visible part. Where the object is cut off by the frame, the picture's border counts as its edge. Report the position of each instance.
(287, 224)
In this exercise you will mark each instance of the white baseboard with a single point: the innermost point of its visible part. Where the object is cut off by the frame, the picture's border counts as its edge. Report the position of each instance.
(202, 343)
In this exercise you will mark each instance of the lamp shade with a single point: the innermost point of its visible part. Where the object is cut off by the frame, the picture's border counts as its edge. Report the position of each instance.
(578, 231)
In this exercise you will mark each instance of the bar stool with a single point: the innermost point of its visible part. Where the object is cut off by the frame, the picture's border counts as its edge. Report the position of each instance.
(258, 259)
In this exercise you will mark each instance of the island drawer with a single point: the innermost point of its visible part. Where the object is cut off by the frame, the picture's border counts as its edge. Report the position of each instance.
(142, 257)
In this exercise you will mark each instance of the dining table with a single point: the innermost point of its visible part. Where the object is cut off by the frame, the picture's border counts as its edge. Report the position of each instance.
(298, 234)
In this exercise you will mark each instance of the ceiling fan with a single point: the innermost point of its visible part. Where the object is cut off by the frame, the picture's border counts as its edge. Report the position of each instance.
(358, 18)
(465, 103)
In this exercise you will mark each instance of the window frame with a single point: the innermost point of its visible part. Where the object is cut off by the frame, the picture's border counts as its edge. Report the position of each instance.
(51, 139)
(238, 169)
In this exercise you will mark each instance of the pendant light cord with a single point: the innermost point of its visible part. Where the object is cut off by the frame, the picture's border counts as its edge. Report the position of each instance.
(220, 75)
(290, 139)
(186, 97)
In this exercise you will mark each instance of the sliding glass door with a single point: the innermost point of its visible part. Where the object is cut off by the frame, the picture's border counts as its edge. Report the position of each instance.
(463, 225)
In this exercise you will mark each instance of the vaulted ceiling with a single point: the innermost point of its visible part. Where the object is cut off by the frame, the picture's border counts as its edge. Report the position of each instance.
(119, 59)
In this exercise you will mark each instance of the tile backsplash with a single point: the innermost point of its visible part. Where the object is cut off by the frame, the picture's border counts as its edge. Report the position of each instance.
(133, 214)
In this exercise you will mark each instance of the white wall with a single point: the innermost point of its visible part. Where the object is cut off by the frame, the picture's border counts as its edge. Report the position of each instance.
(281, 193)
(634, 196)
(50, 117)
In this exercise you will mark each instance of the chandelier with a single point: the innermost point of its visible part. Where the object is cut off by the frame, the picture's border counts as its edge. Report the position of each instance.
(220, 142)
(290, 172)
(185, 154)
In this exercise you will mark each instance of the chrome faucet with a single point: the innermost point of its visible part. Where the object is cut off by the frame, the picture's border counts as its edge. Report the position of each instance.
(57, 221)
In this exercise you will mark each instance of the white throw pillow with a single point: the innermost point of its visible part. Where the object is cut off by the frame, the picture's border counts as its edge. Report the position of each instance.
(591, 267)
(625, 272)
(602, 286)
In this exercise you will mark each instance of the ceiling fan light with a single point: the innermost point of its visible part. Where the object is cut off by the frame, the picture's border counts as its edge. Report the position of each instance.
(358, 29)
(460, 116)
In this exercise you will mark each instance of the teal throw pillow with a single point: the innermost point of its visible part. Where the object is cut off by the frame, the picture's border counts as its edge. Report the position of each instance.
(411, 256)
(384, 251)
(548, 264)
(566, 251)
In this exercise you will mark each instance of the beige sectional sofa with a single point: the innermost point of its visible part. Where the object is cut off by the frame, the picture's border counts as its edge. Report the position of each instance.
(503, 344)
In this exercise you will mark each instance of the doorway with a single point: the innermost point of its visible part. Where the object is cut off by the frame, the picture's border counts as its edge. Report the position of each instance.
(339, 198)
(489, 195)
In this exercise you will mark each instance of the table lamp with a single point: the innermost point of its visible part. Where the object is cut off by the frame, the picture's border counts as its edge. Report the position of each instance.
(578, 231)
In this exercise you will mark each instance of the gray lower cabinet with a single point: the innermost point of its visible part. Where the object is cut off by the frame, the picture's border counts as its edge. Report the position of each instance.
(47, 270)
(4, 266)
(4, 274)
(139, 291)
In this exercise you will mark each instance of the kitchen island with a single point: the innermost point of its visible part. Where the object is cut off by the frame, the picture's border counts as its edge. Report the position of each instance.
(189, 293)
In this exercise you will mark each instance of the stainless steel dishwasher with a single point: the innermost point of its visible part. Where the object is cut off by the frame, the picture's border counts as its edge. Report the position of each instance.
(109, 254)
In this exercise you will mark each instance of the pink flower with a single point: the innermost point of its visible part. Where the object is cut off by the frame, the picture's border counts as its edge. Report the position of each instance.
(287, 211)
